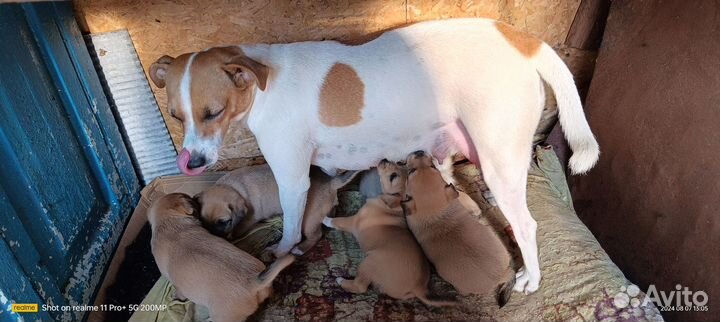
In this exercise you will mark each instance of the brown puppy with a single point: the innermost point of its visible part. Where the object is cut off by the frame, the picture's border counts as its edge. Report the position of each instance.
(248, 195)
(204, 268)
(466, 253)
(393, 262)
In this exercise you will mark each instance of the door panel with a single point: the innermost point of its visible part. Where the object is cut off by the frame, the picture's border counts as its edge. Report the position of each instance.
(67, 181)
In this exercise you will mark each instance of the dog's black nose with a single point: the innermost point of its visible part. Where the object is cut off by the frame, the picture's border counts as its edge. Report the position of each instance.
(196, 160)
(419, 153)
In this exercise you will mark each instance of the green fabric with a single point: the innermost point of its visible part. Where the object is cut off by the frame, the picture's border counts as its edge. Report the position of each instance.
(579, 279)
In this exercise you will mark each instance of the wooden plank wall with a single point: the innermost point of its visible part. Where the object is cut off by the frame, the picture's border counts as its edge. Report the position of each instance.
(174, 27)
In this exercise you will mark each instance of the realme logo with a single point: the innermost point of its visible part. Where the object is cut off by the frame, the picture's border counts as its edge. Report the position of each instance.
(25, 308)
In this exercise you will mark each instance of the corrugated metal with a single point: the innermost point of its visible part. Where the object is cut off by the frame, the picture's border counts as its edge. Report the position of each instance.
(145, 132)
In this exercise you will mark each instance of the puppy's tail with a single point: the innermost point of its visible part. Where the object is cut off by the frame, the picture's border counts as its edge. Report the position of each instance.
(572, 117)
(268, 276)
(422, 296)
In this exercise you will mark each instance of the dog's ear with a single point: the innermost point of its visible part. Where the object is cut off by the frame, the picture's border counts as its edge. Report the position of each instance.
(450, 192)
(243, 71)
(158, 70)
(390, 200)
(408, 206)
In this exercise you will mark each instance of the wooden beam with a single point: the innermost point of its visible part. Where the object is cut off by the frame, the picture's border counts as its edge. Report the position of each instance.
(587, 27)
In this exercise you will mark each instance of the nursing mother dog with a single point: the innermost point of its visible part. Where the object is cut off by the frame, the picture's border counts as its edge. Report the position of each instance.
(466, 85)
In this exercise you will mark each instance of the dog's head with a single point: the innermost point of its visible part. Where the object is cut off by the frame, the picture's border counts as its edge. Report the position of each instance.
(426, 190)
(221, 209)
(207, 91)
(173, 204)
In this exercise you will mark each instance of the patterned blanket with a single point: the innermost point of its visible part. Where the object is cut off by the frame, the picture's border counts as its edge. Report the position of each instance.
(580, 282)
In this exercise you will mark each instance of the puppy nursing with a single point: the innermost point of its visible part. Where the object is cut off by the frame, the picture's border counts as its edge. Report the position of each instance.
(465, 253)
(204, 268)
(393, 262)
(249, 195)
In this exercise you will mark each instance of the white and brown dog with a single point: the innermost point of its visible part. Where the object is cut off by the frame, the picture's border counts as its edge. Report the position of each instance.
(467, 85)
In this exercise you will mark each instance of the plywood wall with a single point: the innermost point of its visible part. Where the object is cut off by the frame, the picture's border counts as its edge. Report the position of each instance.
(175, 27)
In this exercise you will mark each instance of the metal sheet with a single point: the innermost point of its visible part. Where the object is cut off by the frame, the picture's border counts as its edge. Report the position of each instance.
(134, 104)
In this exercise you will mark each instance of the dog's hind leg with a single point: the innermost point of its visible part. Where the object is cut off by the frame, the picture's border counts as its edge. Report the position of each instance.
(358, 285)
(506, 175)
(502, 137)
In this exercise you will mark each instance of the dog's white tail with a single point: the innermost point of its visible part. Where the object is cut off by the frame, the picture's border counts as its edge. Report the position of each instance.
(572, 118)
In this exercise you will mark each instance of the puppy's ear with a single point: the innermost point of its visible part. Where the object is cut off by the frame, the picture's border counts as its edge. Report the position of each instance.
(408, 206)
(391, 201)
(238, 209)
(158, 70)
(198, 197)
(189, 206)
(450, 192)
(243, 71)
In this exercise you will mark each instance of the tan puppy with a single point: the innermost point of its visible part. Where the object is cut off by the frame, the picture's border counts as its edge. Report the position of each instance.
(466, 253)
(204, 268)
(248, 195)
(393, 262)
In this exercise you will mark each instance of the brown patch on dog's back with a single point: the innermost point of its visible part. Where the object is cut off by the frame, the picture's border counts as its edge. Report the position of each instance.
(526, 44)
(342, 97)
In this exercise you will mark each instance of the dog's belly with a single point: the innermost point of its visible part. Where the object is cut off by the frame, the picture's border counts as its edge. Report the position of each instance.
(360, 152)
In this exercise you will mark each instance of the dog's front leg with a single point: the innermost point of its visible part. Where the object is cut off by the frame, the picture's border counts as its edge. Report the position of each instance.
(290, 164)
(293, 196)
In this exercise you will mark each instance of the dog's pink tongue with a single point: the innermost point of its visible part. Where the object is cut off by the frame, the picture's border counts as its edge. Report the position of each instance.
(182, 162)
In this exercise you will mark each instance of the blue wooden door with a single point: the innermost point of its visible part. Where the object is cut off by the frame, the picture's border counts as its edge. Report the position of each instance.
(67, 183)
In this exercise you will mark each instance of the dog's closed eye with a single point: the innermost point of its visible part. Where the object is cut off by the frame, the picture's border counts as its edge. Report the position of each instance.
(412, 170)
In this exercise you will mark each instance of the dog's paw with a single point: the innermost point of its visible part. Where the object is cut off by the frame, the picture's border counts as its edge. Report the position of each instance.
(526, 282)
(327, 221)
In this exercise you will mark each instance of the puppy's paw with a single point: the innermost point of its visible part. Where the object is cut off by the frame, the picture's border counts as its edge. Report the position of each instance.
(327, 221)
(297, 251)
(179, 296)
(490, 198)
(268, 255)
(280, 251)
(526, 282)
